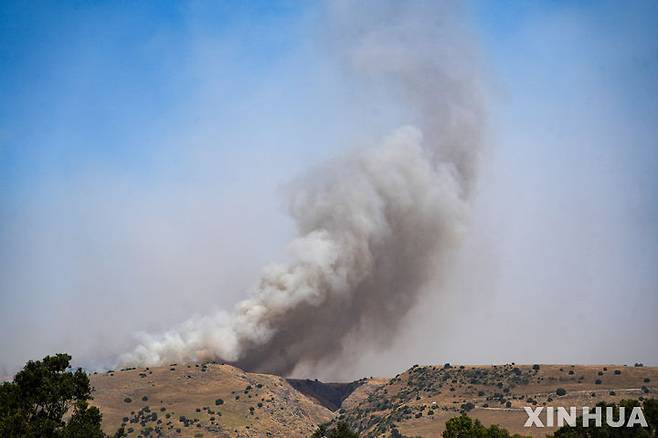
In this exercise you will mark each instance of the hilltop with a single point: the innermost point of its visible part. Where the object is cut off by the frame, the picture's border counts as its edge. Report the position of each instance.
(221, 400)
(204, 400)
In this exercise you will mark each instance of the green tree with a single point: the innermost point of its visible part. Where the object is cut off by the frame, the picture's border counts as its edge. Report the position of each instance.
(464, 427)
(35, 402)
(342, 430)
(649, 408)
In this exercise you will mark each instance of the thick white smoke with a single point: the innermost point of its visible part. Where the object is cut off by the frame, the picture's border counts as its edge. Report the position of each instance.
(371, 225)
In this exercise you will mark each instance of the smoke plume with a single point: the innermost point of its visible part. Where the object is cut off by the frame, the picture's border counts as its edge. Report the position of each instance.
(373, 224)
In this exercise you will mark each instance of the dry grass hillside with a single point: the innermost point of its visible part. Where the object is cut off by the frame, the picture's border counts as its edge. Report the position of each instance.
(204, 400)
(419, 401)
(221, 400)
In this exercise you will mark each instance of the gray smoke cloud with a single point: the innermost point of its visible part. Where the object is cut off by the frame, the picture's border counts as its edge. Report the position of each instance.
(372, 225)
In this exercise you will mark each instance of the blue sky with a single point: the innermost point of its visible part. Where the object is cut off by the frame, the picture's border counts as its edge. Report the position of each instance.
(160, 134)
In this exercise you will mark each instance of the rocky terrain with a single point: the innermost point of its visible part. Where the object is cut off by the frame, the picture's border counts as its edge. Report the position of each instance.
(221, 400)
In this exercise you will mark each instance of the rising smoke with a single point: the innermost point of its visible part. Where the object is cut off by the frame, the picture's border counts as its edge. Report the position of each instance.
(372, 225)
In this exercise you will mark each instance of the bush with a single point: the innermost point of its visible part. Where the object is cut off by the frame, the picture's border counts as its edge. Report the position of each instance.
(464, 427)
(617, 372)
(342, 430)
(561, 392)
(535, 367)
(598, 382)
(219, 402)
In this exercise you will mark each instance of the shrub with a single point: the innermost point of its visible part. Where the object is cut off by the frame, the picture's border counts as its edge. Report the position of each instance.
(617, 372)
(342, 430)
(598, 381)
(535, 367)
(464, 427)
(219, 402)
(561, 392)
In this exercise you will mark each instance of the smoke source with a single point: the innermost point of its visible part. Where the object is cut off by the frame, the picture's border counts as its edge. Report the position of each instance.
(372, 225)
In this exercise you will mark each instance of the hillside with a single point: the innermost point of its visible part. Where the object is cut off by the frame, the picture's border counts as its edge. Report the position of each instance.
(420, 400)
(204, 400)
(224, 401)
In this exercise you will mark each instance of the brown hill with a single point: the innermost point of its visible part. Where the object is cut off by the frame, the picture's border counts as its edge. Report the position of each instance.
(221, 400)
(204, 400)
(420, 400)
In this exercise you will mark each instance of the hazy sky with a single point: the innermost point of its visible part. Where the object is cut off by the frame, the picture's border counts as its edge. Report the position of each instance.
(145, 150)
